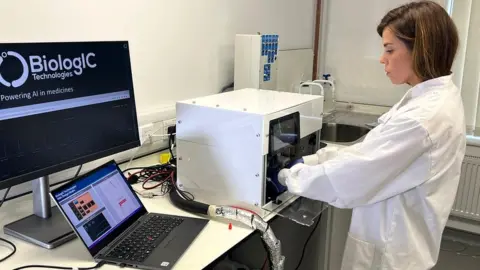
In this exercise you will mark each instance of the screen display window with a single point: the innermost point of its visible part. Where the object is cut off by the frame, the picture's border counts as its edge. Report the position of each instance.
(98, 204)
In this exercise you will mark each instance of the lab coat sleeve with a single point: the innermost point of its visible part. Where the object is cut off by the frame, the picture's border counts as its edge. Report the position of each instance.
(368, 172)
(320, 156)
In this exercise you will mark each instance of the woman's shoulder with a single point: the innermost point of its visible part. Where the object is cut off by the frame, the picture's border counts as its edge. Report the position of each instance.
(438, 111)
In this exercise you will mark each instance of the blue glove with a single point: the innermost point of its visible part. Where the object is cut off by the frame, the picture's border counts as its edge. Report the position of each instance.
(295, 162)
(288, 137)
(274, 175)
(278, 185)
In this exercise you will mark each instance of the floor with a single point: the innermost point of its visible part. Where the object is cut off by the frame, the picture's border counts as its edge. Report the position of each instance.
(459, 251)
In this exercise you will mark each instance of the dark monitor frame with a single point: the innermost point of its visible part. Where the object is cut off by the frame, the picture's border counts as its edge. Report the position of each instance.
(47, 226)
(65, 165)
(13, 181)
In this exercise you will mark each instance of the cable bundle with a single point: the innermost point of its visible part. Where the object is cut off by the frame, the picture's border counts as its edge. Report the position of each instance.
(161, 176)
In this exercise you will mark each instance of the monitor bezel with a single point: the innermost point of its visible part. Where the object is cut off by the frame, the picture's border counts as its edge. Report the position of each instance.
(30, 176)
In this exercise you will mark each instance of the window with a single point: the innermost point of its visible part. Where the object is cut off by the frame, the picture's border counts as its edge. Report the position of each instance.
(466, 68)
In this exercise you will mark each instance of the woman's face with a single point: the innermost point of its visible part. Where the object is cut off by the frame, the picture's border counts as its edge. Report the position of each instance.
(397, 59)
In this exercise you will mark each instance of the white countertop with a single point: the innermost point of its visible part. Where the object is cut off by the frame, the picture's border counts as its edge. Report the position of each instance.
(213, 241)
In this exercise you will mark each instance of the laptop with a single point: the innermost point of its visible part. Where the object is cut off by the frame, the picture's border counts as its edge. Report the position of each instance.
(109, 218)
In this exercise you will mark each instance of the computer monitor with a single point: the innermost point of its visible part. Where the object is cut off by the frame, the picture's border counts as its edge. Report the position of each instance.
(61, 105)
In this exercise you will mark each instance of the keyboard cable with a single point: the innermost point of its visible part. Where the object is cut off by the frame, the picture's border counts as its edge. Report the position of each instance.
(97, 266)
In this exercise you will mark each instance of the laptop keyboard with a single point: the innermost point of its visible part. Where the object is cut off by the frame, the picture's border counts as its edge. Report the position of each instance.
(140, 244)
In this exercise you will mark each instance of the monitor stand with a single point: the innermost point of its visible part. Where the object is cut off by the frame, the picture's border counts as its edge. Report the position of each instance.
(47, 227)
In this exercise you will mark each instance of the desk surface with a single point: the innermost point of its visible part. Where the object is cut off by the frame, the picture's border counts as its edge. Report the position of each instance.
(213, 241)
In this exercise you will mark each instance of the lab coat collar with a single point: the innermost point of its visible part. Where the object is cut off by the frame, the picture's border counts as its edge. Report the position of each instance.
(416, 91)
(425, 86)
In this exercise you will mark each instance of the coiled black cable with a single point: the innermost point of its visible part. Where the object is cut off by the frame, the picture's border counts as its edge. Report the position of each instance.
(187, 205)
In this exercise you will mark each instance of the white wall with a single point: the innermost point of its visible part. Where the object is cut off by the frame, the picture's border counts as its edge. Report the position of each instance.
(179, 49)
(351, 50)
(294, 67)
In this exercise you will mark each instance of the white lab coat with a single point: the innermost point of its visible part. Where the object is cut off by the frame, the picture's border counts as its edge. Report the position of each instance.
(401, 181)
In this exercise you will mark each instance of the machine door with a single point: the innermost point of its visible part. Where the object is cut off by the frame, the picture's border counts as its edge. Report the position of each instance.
(284, 148)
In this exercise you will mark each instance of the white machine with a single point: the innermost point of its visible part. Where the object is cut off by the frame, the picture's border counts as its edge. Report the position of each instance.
(256, 62)
(230, 146)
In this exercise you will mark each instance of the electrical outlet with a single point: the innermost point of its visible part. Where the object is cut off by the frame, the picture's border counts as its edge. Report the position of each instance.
(168, 123)
(158, 132)
(145, 132)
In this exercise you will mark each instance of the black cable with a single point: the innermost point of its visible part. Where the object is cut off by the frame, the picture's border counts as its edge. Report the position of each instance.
(171, 144)
(188, 205)
(306, 242)
(44, 266)
(268, 258)
(98, 265)
(462, 249)
(226, 87)
(185, 194)
(78, 171)
(5, 196)
(68, 180)
(14, 249)
(164, 175)
(156, 166)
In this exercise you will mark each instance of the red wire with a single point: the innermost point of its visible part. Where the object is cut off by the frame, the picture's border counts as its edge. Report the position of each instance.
(173, 180)
(264, 266)
(155, 175)
(244, 209)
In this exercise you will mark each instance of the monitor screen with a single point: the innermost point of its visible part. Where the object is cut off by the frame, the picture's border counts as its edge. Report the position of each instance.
(98, 203)
(63, 104)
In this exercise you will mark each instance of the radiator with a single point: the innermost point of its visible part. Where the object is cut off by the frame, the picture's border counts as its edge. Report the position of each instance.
(467, 202)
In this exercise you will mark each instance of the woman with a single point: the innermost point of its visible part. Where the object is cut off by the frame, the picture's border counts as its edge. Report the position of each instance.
(402, 179)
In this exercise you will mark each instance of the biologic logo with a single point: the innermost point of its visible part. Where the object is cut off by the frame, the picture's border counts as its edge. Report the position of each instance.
(43, 68)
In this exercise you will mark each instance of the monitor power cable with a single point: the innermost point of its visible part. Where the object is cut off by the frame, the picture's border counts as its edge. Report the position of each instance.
(14, 248)
(4, 196)
(142, 143)
(78, 171)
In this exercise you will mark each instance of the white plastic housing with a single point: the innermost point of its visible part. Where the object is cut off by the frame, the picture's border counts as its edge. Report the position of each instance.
(222, 141)
(256, 63)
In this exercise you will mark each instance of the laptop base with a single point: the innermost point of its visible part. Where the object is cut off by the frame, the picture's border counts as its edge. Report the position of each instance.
(170, 249)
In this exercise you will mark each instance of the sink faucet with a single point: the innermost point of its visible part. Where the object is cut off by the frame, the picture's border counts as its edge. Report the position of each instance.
(322, 92)
(332, 84)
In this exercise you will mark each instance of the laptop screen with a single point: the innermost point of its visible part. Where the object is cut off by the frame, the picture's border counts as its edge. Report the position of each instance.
(97, 204)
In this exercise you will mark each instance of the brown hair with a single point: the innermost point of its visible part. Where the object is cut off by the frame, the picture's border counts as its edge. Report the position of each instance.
(428, 32)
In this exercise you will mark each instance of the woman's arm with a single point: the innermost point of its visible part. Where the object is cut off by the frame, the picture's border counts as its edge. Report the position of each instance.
(368, 172)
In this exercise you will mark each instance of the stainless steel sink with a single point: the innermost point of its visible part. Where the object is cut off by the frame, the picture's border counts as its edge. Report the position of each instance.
(346, 127)
(342, 133)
